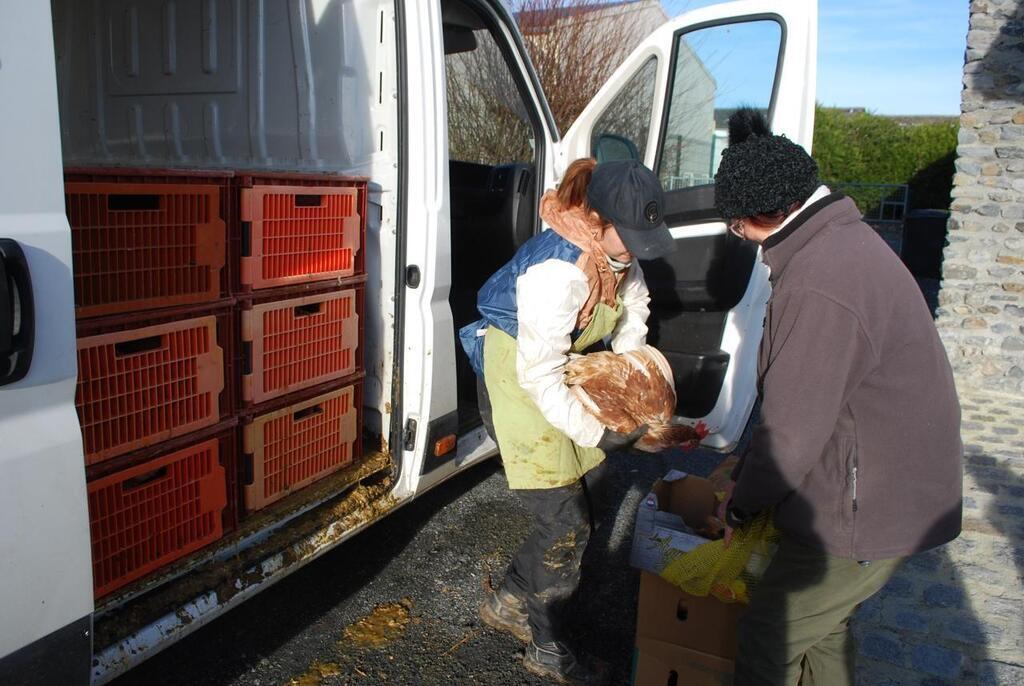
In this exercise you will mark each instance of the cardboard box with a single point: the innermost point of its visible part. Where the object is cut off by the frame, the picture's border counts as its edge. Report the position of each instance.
(704, 624)
(662, 664)
(666, 614)
(665, 518)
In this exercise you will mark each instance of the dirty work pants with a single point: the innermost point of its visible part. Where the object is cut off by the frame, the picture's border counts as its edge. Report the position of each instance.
(797, 627)
(546, 569)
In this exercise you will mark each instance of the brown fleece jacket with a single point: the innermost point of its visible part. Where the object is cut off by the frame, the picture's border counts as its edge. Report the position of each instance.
(858, 444)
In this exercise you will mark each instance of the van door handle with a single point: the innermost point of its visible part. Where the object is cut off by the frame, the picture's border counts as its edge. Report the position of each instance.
(17, 314)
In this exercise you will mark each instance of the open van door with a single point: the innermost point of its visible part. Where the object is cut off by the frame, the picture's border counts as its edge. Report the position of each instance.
(481, 144)
(668, 105)
(45, 564)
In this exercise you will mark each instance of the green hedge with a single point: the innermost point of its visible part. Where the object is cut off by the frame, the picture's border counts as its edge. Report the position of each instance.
(869, 148)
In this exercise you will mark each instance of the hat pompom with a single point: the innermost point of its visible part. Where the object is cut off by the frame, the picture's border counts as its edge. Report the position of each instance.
(746, 122)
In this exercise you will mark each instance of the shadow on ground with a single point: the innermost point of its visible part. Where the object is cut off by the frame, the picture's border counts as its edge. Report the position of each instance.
(941, 619)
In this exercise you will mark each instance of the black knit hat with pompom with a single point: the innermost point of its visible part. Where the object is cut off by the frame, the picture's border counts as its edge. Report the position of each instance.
(761, 173)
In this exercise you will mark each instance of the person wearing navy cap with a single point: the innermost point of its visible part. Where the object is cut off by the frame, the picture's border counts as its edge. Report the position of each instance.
(563, 291)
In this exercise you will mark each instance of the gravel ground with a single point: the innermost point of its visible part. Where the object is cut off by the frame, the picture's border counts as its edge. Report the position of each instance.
(423, 570)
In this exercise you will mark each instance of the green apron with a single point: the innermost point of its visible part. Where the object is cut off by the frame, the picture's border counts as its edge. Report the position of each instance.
(536, 454)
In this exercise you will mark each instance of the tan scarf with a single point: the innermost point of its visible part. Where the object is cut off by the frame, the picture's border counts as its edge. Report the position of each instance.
(575, 226)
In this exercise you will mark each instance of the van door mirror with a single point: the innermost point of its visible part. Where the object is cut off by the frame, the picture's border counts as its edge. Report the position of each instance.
(608, 147)
(458, 39)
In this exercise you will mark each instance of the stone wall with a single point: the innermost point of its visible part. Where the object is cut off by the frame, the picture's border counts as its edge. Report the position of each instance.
(981, 313)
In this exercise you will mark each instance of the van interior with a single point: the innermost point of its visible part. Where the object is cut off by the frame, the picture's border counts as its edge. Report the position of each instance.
(145, 95)
(166, 93)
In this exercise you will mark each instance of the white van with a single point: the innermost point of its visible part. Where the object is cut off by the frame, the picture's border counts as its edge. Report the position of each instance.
(436, 104)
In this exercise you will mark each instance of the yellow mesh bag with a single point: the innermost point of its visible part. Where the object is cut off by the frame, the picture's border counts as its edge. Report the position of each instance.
(729, 574)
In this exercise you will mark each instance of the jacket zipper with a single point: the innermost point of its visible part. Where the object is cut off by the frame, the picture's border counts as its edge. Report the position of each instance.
(854, 488)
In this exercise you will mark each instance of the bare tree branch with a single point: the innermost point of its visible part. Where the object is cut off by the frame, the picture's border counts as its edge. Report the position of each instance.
(575, 46)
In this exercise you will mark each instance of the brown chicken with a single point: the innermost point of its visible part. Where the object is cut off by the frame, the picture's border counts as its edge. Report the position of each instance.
(634, 388)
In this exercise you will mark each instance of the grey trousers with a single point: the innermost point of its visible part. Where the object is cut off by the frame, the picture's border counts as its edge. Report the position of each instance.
(545, 571)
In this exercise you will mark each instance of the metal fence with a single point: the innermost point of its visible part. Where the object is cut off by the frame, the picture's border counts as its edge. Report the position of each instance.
(687, 180)
(883, 205)
(877, 201)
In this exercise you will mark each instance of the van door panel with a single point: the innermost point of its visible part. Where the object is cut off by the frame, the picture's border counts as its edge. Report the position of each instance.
(490, 195)
(692, 292)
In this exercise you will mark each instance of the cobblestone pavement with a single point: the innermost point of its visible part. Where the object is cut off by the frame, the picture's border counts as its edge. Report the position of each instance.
(955, 615)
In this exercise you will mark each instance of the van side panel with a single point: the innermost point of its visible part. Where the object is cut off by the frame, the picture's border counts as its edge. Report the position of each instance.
(61, 657)
(218, 83)
(44, 523)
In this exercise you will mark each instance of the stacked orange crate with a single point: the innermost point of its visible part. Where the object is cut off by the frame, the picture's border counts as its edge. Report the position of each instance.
(156, 340)
(138, 246)
(143, 517)
(301, 299)
(143, 385)
(289, 444)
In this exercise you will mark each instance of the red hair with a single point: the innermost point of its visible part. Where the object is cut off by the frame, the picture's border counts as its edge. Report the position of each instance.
(572, 191)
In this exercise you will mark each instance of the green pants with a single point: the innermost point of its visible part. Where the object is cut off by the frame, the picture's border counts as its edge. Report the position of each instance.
(797, 627)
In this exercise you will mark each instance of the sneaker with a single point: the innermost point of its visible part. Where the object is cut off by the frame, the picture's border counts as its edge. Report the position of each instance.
(555, 662)
(505, 612)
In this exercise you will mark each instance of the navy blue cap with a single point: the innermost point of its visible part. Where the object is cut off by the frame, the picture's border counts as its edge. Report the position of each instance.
(629, 195)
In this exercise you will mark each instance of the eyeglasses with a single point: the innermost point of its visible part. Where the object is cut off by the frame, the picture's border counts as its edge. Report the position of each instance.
(768, 220)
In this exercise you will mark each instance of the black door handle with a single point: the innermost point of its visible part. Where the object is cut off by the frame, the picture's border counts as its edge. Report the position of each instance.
(17, 313)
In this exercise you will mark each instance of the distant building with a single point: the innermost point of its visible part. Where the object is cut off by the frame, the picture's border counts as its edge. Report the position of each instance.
(691, 154)
(582, 46)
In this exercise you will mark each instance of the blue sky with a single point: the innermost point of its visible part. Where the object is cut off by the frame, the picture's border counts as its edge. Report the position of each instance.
(890, 56)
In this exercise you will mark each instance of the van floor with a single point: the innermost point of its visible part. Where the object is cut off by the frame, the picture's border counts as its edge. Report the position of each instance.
(355, 495)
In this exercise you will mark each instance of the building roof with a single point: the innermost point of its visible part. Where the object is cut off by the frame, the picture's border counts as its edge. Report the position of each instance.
(542, 20)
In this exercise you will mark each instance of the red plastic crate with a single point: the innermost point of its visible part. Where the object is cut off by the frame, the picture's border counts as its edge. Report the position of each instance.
(293, 344)
(297, 445)
(138, 246)
(243, 180)
(149, 515)
(138, 387)
(226, 432)
(299, 234)
(223, 179)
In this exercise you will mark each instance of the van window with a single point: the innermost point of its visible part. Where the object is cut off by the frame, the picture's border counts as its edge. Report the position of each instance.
(717, 70)
(487, 118)
(622, 129)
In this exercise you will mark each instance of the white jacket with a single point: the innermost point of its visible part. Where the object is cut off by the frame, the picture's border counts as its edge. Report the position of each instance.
(550, 295)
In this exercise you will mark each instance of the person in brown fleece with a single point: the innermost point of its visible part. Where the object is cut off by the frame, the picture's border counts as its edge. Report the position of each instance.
(857, 448)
